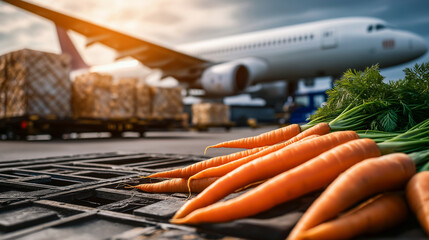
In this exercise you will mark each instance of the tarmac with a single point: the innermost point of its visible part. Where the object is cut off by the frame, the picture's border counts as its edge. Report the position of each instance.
(175, 142)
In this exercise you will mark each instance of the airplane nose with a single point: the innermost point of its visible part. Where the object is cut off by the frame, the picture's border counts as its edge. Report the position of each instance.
(418, 45)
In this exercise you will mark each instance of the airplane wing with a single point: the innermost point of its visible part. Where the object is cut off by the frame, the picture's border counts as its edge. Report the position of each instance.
(181, 66)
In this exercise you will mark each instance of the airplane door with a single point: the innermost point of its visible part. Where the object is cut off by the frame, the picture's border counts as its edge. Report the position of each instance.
(329, 39)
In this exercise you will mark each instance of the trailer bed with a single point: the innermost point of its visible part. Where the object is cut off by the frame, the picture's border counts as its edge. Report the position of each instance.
(17, 128)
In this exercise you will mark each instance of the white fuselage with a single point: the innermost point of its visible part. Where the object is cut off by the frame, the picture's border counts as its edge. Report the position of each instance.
(324, 48)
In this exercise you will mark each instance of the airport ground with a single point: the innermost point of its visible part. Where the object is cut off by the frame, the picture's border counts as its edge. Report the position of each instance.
(175, 142)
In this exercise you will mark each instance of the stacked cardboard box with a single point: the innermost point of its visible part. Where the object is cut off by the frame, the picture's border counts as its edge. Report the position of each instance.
(167, 102)
(143, 101)
(92, 95)
(97, 95)
(38, 83)
(123, 98)
(34, 83)
(210, 114)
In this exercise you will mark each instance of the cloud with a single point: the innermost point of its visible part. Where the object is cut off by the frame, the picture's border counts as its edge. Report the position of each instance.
(167, 21)
(172, 22)
(11, 18)
(180, 21)
(19, 29)
(161, 21)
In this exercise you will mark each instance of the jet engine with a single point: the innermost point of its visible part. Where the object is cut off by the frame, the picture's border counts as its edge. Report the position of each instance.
(231, 78)
(225, 79)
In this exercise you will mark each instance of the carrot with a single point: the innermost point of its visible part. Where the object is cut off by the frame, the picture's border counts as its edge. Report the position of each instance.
(264, 139)
(186, 172)
(175, 185)
(364, 179)
(265, 167)
(310, 176)
(193, 169)
(374, 215)
(250, 186)
(219, 171)
(418, 197)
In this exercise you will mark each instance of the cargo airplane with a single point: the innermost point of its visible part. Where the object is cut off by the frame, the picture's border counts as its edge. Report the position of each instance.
(227, 66)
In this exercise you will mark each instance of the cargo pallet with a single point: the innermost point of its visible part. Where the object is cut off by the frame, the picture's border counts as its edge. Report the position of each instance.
(16, 128)
(84, 197)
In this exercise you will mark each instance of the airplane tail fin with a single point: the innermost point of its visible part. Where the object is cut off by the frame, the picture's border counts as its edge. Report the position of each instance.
(68, 47)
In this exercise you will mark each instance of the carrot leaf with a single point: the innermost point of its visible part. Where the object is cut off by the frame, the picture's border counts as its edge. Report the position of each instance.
(405, 102)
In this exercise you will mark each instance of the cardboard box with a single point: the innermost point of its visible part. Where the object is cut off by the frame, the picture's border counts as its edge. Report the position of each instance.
(143, 101)
(34, 83)
(92, 95)
(123, 98)
(210, 114)
(98, 95)
(167, 103)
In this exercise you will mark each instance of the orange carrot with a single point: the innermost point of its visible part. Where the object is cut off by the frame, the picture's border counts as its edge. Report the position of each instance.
(193, 169)
(418, 197)
(219, 171)
(364, 179)
(264, 139)
(250, 186)
(176, 185)
(307, 177)
(265, 167)
(253, 153)
(375, 215)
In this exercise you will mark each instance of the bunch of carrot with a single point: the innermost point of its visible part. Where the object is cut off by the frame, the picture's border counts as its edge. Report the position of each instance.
(370, 177)
(208, 168)
(294, 161)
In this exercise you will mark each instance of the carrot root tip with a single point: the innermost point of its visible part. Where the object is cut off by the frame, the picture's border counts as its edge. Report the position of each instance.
(149, 176)
(129, 186)
(189, 188)
(205, 150)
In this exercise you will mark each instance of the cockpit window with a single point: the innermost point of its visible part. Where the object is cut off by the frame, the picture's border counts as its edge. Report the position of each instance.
(379, 27)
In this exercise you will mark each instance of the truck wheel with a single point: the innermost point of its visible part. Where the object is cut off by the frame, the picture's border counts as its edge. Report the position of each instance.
(10, 135)
(56, 136)
(116, 134)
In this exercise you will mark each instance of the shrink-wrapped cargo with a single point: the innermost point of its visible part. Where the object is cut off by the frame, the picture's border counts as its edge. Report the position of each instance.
(143, 100)
(34, 83)
(123, 98)
(167, 103)
(92, 95)
(97, 95)
(210, 114)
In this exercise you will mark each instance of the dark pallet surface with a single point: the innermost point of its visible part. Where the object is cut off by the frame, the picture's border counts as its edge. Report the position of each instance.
(86, 197)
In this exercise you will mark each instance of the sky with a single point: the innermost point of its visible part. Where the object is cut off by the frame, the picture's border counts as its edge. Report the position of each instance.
(172, 22)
